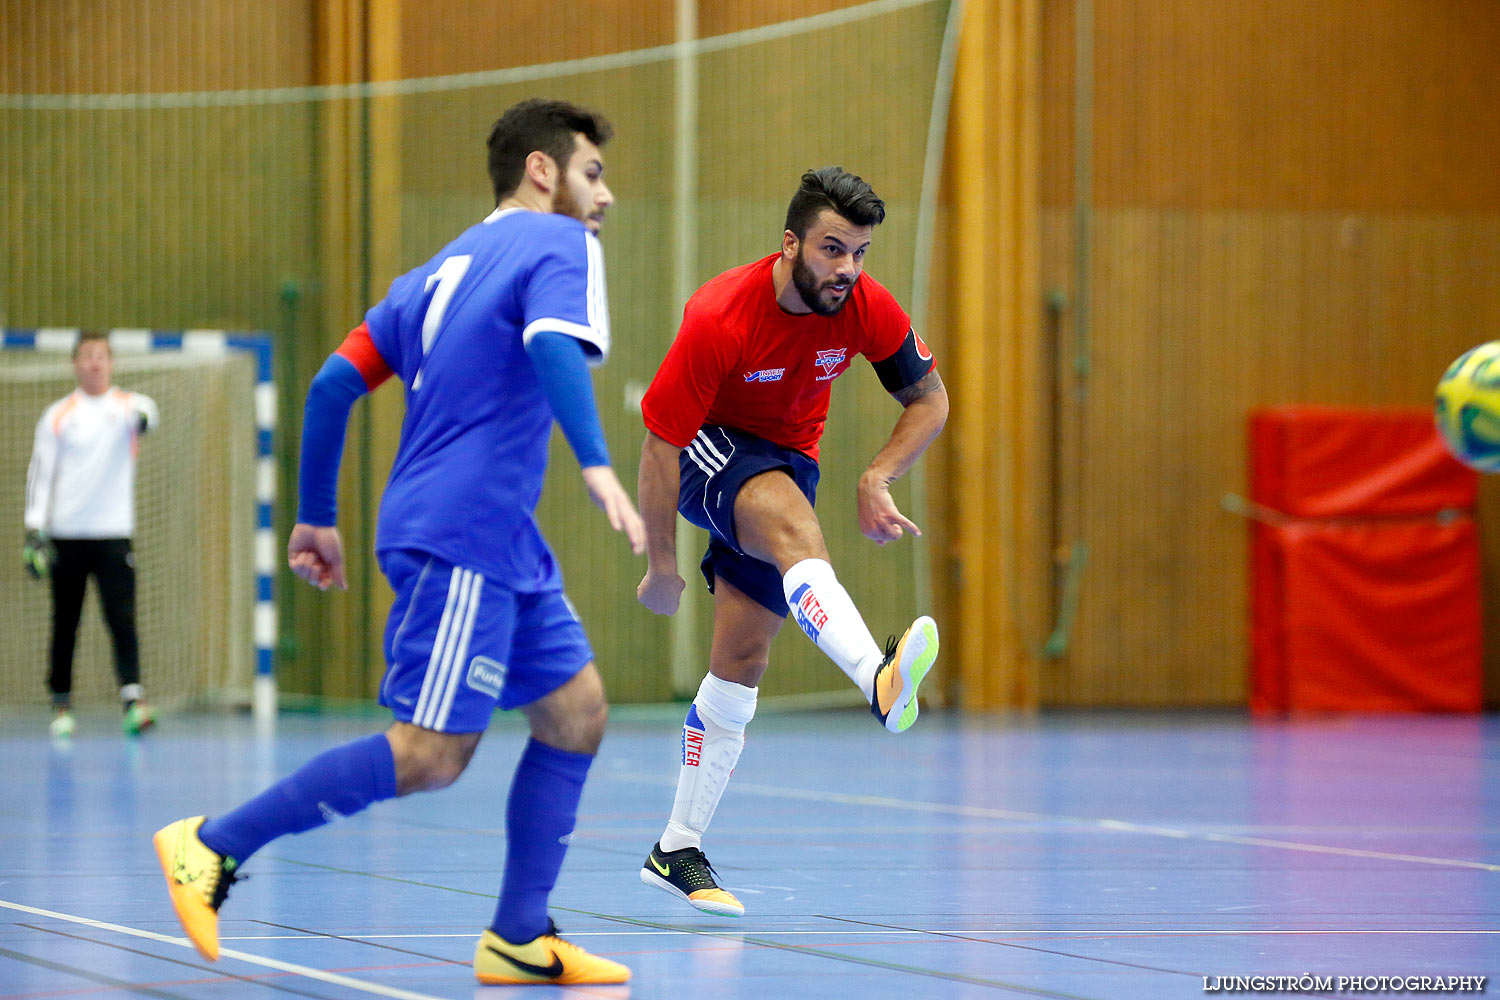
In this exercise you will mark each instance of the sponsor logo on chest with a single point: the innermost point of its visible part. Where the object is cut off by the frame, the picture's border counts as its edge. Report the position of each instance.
(829, 361)
(765, 375)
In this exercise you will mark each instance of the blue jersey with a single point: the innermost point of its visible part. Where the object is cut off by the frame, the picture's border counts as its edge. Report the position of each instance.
(473, 453)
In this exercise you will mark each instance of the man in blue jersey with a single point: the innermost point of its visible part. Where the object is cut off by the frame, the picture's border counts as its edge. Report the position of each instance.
(493, 339)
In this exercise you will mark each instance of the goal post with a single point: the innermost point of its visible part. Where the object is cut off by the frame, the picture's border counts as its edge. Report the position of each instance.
(204, 539)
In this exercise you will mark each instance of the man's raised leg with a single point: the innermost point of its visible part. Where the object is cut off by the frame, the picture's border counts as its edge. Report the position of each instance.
(776, 523)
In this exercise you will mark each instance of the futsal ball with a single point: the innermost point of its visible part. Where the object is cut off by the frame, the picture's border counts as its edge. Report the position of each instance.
(1467, 407)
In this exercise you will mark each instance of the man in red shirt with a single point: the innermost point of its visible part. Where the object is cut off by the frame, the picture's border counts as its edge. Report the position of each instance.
(733, 420)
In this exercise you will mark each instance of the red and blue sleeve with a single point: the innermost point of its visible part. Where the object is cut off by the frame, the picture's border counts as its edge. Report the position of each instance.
(360, 351)
(351, 371)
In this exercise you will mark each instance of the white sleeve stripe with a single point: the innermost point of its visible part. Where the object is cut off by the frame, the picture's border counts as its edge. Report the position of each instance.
(591, 335)
(595, 333)
(598, 295)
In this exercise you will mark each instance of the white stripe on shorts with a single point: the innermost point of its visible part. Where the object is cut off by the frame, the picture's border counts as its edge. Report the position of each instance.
(458, 670)
(440, 665)
(698, 460)
(437, 647)
(710, 454)
(719, 459)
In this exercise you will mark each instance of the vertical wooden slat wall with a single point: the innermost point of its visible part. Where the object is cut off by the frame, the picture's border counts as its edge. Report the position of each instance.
(1292, 203)
(987, 482)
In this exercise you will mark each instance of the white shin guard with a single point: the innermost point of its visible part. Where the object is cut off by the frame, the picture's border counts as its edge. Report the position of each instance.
(712, 737)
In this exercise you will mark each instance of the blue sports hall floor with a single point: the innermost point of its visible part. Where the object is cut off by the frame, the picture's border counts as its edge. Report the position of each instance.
(1101, 856)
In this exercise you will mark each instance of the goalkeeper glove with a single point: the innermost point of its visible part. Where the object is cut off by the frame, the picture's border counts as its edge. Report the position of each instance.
(39, 555)
(146, 414)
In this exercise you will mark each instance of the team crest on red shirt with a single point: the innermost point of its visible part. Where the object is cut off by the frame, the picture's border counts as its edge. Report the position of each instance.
(828, 361)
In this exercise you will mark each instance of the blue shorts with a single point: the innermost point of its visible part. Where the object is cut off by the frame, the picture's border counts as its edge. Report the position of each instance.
(457, 645)
(714, 465)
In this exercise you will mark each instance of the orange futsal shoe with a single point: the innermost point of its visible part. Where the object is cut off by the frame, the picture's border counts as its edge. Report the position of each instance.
(198, 881)
(905, 666)
(546, 958)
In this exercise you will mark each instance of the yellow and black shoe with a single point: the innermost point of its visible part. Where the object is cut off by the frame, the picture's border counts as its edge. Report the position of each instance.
(546, 958)
(198, 881)
(688, 874)
(906, 664)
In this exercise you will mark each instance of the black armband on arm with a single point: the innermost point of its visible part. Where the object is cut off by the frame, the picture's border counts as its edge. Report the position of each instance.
(911, 361)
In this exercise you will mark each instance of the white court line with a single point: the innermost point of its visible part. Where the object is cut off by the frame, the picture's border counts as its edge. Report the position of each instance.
(1115, 825)
(928, 932)
(332, 978)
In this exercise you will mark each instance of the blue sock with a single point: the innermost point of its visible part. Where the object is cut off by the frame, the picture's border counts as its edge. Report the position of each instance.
(337, 782)
(539, 817)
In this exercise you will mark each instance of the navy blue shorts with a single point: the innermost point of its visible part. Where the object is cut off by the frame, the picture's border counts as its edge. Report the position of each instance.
(458, 645)
(714, 465)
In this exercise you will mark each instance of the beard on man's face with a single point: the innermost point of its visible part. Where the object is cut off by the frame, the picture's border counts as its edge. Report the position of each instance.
(563, 203)
(811, 292)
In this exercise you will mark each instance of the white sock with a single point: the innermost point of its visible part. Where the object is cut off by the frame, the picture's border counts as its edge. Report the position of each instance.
(824, 610)
(712, 737)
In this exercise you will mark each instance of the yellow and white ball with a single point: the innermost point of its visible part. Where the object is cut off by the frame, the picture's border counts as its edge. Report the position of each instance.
(1467, 407)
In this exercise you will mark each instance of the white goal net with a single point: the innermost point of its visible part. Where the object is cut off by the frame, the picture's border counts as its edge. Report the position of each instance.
(196, 529)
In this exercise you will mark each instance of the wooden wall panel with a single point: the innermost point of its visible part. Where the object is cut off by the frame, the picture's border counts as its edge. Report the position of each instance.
(1290, 203)
(439, 37)
(719, 17)
(1372, 105)
(986, 473)
(1201, 317)
(140, 46)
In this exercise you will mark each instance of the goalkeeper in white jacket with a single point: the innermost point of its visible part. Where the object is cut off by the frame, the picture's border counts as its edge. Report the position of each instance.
(80, 515)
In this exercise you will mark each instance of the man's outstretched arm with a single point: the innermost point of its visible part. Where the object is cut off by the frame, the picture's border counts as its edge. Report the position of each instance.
(925, 411)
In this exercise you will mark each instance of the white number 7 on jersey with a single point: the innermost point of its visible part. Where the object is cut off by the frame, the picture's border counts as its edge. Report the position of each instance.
(449, 273)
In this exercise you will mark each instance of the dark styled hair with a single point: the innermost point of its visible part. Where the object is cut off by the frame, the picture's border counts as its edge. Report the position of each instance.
(87, 336)
(835, 188)
(538, 124)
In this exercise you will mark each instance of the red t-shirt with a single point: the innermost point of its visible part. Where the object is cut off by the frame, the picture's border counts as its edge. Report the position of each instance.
(741, 361)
